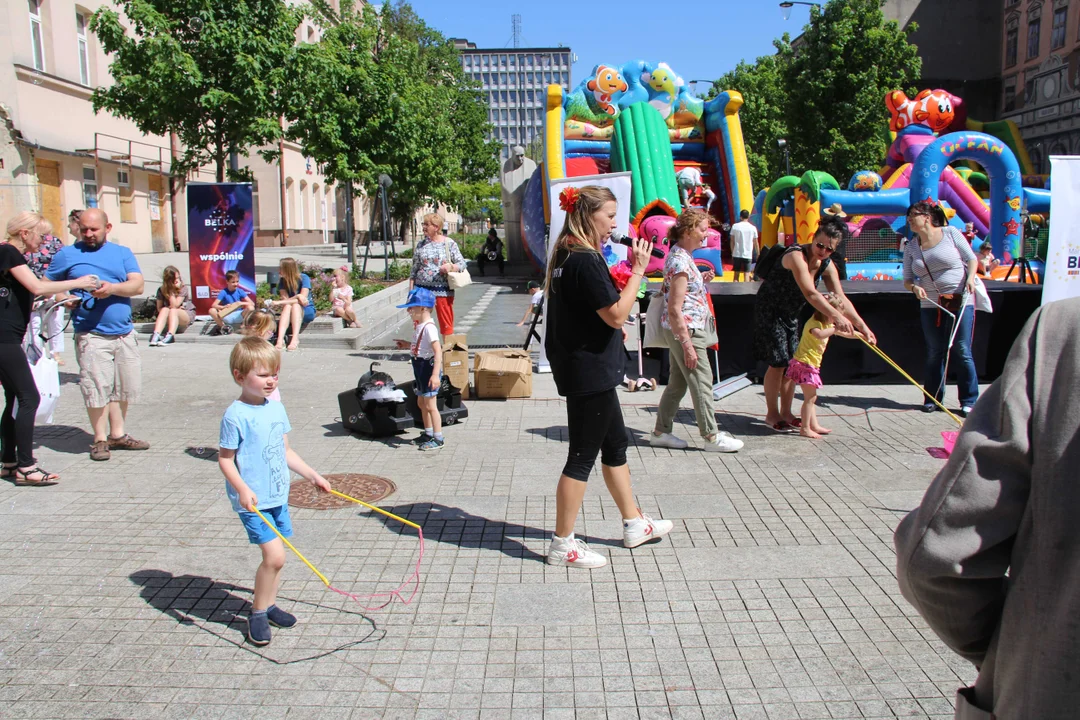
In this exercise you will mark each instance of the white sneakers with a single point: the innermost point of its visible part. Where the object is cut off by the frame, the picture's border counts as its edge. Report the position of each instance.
(723, 442)
(643, 529)
(667, 440)
(571, 552)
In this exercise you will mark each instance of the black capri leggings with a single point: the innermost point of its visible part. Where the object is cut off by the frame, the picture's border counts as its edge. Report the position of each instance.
(17, 431)
(596, 427)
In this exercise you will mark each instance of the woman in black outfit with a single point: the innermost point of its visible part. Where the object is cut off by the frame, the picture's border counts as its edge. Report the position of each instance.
(18, 286)
(790, 285)
(584, 344)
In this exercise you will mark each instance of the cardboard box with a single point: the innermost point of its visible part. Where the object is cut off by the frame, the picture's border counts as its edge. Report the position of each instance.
(450, 341)
(455, 361)
(502, 374)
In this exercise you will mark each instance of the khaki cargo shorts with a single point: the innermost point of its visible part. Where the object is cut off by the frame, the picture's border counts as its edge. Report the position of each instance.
(110, 369)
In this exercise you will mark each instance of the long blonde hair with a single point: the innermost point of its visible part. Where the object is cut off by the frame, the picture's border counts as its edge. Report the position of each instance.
(684, 224)
(578, 234)
(26, 220)
(168, 281)
(290, 275)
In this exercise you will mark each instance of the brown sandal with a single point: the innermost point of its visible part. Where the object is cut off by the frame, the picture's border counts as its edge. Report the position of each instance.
(22, 477)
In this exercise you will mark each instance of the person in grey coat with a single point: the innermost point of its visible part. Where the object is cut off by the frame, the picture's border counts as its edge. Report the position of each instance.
(991, 558)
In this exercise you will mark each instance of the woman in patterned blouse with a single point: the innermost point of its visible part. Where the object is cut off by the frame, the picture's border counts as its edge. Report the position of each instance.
(435, 256)
(39, 262)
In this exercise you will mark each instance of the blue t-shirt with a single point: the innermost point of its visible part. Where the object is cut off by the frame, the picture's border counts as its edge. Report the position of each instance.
(257, 434)
(309, 309)
(228, 298)
(111, 263)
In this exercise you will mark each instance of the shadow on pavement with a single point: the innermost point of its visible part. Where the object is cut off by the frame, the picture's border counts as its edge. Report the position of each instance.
(205, 603)
(63, 438)
(455, 526)
(202, 453)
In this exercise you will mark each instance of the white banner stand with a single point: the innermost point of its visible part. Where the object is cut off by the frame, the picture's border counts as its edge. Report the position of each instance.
(1061, 277)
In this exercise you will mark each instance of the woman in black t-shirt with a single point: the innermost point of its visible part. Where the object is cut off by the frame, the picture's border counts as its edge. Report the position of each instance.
(584, 344)
(18, 286)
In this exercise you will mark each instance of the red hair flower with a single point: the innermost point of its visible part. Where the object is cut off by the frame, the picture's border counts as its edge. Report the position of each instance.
(568, 199)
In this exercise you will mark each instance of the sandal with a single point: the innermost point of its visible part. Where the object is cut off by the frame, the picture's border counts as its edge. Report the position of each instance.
(44, 479)
(782, 426)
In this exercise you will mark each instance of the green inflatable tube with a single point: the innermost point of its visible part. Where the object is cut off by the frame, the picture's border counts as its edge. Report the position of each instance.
(640, 145)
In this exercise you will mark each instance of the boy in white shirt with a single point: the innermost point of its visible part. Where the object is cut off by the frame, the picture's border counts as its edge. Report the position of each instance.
(534, 305)
(744, 238)
(426, 354)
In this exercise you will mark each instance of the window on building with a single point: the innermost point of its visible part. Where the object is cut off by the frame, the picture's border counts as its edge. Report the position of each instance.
(123, 179)
(502, 60)
(1033, 38)
(37, 38)
(84, 52)
(513, 116)
(528, 61)
(89, 186)
(513, 61)
(1010, 99)
(513, 79)
(547, 78)
(530, 97)
(513, 97)
(502, 96)
(1057, 31)
(504, 115)
(1010, 47)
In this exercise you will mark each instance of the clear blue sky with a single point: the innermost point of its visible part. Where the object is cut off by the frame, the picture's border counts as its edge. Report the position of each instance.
(699, 40)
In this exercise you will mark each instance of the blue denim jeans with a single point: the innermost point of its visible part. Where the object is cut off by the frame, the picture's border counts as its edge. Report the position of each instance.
(937, 341)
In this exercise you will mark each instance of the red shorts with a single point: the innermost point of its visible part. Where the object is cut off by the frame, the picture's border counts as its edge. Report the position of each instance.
(444, 311)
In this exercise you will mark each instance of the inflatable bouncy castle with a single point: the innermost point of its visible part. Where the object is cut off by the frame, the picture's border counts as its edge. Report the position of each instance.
(641, 118)
(975, 176)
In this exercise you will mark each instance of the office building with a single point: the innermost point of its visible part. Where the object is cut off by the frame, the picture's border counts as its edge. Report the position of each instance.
(514, 81)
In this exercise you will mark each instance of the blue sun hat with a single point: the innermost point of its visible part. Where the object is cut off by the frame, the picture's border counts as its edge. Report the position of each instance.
(419, 297)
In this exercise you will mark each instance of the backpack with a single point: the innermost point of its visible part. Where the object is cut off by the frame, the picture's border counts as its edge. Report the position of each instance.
(767, 260)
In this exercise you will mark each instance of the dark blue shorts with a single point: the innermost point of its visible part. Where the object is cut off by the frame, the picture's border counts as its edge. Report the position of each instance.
(422, 369)
(259, 532)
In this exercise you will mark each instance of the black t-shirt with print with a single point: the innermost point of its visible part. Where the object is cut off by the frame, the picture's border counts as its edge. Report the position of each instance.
(586, 354)
(15, 299)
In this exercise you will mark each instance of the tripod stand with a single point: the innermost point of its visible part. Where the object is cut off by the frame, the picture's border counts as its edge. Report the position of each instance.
(1031, 233)
(1025, 271)
(380, 212)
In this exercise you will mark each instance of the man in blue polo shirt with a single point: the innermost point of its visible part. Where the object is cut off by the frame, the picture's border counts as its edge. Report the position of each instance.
(110, 369)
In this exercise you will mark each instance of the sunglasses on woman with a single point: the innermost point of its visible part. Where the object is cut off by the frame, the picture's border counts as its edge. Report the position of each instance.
(826, 248)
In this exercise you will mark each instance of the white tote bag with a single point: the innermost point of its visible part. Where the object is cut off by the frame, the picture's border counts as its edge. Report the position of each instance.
(654, 335)
(982, 298)
(456, 280)
(47, 378)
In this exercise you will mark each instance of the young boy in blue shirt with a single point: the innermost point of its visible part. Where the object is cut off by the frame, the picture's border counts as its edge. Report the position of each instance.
(255, 458)
(231, 305)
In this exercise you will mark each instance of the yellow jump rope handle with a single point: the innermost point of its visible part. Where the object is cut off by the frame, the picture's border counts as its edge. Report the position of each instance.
(291, 547)
(900, 370)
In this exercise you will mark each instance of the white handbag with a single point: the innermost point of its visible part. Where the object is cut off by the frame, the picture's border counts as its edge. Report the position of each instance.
(457, 280)
(654, 335)
(982, 298)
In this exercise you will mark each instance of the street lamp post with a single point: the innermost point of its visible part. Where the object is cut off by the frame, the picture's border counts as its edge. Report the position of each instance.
(785, 7)
(782, 143)
(693, 85)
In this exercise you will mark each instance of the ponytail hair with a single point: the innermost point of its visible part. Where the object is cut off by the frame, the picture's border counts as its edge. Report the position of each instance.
(578, 234)
(933, 209)
(684, 223)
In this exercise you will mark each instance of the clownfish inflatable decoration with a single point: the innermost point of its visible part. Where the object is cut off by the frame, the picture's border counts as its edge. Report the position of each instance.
(932, 108)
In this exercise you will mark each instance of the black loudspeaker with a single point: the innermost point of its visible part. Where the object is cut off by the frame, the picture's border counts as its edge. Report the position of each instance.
(448, 401)
(377, 419)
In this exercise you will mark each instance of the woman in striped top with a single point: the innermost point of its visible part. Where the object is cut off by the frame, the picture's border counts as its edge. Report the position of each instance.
(939, 264)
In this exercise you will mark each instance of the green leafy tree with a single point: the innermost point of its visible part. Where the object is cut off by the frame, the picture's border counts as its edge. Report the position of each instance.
(763, 114)
(382, 92)
(478, 200)
(835, 81)
(209, 72)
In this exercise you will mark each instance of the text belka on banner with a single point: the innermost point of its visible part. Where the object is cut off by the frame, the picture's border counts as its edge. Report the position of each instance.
(1061, 278)
(221, 237)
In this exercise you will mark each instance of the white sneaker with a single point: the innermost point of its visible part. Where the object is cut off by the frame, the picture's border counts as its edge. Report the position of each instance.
(723, 442)
(643, 529)
(574, 553)
(667, 440)
(155, 340)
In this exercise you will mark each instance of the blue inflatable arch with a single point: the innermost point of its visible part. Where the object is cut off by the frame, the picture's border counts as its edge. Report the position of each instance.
(1001, 167)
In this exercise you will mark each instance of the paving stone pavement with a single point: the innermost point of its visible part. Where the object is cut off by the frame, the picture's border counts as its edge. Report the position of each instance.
(123, 590)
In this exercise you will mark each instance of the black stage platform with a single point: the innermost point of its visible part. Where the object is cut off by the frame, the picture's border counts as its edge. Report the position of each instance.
(893, 314)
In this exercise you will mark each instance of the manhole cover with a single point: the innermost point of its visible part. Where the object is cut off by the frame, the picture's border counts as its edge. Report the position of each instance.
(369, 488)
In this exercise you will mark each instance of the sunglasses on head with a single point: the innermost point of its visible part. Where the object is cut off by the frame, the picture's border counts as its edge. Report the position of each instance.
(826, 248)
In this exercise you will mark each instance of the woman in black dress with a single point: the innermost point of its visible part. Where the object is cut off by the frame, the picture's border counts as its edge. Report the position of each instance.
(791, 284)
(18, 286)
(584, 343)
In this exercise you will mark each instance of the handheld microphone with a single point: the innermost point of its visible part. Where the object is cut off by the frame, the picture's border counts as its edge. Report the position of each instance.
(617, 237)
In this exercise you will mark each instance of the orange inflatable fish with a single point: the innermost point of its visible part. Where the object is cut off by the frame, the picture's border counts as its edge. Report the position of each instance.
(932, 108)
